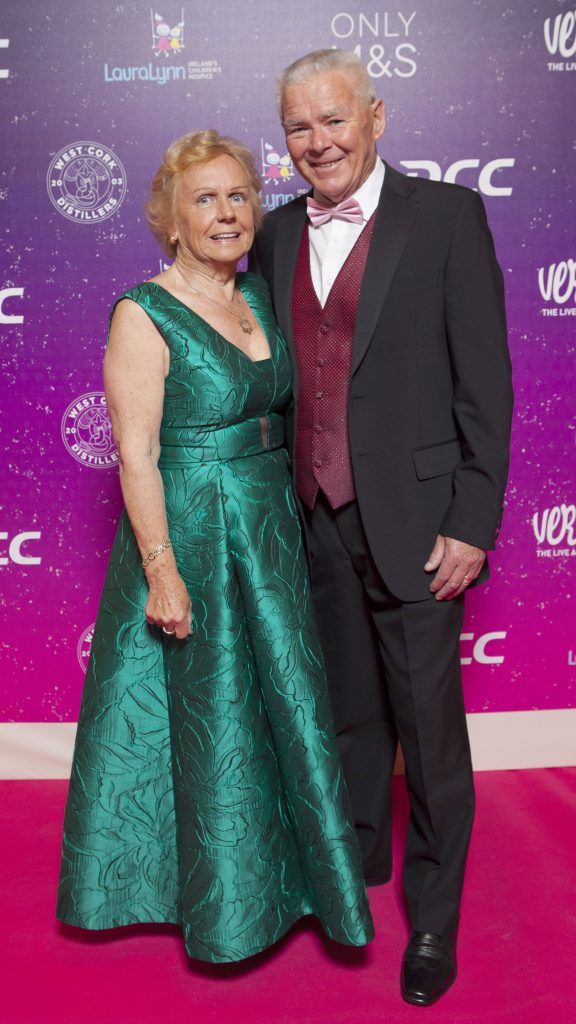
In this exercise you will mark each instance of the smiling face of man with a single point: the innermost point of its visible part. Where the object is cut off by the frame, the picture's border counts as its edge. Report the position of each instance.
(331, 133)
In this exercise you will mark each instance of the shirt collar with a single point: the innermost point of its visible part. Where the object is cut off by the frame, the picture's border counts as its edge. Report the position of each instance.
(368, 195)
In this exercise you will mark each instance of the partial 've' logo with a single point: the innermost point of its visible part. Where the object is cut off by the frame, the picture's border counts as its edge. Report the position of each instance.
(555, 531)
(87, 432)
(86, 182)
(560, 40)
(557, 284)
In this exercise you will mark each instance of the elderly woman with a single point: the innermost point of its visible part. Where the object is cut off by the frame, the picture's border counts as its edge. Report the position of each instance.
(206, 788)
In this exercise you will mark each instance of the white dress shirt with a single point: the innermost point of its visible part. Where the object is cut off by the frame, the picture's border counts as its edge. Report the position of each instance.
(331, 243)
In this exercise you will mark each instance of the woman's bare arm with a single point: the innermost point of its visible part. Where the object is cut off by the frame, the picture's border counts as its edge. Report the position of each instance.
(135, 367)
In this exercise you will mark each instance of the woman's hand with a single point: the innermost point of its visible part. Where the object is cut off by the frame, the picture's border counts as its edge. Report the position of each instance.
(169, 605)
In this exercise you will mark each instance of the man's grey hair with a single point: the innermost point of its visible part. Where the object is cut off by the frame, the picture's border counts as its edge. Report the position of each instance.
(318, 63)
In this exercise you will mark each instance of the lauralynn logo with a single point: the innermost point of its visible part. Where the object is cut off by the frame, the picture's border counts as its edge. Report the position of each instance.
(86, 182)
(276, 169)
(166, 40)
(87, 432)
(560, 40)
(557, 286)
(277, 172)
(168, 30)
(555, 531)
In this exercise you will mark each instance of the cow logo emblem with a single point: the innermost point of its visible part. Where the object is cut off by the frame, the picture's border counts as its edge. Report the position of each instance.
(87, 432)
(84, 646)
(86, 182)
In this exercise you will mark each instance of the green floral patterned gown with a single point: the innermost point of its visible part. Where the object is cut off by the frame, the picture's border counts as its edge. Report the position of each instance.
(206, 789)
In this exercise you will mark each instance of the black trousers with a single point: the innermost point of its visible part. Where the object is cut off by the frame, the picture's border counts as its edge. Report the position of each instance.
(394, 674)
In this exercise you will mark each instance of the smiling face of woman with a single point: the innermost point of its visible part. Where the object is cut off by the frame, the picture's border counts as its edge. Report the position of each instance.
(214, 216)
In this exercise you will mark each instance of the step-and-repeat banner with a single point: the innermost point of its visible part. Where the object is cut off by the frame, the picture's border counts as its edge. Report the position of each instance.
(92, 91)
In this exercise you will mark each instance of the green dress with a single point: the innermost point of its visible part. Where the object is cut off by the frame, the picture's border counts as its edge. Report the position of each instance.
(206, 788)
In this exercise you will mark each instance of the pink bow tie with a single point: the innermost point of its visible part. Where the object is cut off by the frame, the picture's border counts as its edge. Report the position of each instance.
(348, 209)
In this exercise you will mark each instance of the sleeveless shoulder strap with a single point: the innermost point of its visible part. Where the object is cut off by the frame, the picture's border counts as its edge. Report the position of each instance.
(156, 302)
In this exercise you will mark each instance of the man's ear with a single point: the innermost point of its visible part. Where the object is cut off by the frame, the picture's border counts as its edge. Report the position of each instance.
(379, 115)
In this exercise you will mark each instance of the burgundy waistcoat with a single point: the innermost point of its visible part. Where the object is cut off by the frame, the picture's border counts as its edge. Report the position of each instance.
(323, 339)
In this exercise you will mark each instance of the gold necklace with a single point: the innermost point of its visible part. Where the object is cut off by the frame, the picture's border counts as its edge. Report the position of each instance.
(244, 322)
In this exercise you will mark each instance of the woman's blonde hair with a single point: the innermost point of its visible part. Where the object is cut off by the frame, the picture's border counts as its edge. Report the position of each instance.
(187, 151)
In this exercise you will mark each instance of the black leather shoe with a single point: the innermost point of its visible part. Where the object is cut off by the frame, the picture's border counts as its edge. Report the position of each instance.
(428, 968)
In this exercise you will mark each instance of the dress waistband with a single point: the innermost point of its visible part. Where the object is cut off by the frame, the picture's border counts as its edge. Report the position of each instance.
(184, 445)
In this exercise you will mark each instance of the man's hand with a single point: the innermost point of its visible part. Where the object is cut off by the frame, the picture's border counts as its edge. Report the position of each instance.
(457, 563)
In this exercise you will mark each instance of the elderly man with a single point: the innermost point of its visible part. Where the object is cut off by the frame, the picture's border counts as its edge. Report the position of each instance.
(388, 291)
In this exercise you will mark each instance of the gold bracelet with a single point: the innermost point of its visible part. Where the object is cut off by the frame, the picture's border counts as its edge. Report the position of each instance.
(156, 551)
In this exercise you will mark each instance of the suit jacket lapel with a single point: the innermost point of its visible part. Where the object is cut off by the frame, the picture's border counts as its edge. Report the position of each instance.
(286, 246)
(394, 219)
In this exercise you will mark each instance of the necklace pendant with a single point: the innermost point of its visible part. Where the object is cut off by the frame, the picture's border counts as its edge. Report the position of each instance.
(246, 325)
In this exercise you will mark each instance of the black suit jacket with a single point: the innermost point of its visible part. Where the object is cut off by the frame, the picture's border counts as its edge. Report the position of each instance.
(430, 398)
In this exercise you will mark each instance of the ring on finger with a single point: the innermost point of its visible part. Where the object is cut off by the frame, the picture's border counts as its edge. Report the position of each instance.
(169, 632)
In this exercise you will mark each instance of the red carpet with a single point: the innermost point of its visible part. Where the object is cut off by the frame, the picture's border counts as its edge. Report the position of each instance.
(516, 950)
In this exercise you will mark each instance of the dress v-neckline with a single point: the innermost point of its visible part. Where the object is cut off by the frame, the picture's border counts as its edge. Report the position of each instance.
(254, 362)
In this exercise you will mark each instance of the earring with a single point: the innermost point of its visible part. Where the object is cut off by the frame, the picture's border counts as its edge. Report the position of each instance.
(173, 239)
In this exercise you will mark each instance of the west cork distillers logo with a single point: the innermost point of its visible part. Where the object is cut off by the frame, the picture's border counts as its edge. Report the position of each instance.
(86, 182)
(560, 40)
(382, 40)
(87, 432)
(555, 531)
(557, 285)
(169, 46)
(84, 646)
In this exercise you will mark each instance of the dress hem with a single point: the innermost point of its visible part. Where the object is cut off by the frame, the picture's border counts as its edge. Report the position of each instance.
(260, 948)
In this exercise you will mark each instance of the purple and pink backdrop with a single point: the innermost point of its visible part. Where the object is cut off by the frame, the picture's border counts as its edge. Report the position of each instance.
(92, 93)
